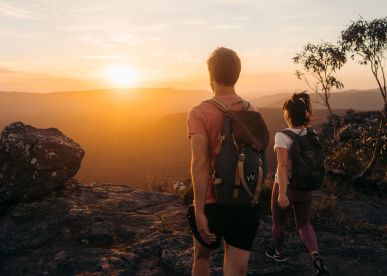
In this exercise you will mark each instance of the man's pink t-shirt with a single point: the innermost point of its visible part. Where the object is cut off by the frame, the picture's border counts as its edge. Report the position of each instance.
(207, 119)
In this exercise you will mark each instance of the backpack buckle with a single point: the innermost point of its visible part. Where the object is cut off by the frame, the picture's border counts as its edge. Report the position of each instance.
(242, 156)
(254, 202)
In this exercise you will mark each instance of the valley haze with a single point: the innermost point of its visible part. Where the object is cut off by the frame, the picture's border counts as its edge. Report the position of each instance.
(132, 134)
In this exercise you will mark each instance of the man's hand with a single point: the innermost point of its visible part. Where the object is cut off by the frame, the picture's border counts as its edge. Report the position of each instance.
(283, 201)
(204, 231)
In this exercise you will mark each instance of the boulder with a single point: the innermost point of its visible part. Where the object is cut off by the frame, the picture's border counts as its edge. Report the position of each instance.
(35, 161)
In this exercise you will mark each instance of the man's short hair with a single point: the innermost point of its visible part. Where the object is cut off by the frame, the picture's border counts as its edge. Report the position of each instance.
(224, 66)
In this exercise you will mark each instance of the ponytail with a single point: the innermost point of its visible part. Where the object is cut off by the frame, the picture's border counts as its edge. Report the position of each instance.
(299, 109)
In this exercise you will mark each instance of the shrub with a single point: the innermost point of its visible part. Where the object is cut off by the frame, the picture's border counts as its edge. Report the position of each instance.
(163, 184)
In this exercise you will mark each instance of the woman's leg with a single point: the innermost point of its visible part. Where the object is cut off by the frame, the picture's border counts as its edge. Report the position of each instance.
(302, 206)
(278, 216)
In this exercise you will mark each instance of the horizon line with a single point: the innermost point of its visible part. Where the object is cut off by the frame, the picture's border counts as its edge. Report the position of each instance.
(178, 89)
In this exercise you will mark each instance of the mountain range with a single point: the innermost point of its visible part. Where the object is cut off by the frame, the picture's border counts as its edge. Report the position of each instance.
(133, 135)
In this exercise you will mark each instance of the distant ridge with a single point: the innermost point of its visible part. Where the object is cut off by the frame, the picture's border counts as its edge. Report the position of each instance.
(355, 99)
(107, 90)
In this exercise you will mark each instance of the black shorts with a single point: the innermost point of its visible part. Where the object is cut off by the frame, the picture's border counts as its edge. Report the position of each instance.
(237, 225)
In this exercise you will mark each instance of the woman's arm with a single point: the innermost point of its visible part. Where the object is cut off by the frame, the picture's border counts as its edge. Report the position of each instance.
(282, 160)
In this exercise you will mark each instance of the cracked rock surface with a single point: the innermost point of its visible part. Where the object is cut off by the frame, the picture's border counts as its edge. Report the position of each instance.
(107, 229)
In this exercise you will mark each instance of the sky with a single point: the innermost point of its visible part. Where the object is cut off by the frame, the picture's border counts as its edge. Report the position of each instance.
(61, 45)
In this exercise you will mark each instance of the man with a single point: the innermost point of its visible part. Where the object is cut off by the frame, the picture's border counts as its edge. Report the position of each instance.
(209, 222)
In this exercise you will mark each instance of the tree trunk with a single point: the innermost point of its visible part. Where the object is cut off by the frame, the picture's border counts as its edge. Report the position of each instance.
(333, 123)
(378, 146)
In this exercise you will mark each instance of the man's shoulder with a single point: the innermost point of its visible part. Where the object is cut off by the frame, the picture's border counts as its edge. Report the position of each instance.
(203, 107)
(208, 107)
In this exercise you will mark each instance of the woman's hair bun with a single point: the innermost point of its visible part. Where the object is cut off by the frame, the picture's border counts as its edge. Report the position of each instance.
(299, 108)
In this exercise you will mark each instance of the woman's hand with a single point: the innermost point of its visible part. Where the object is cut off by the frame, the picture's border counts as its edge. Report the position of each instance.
(283, 201)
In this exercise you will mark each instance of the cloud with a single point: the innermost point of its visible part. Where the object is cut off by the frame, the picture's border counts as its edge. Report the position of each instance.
(6, 71)
(240, 18)
(101, 57)
(127, 39)
(194, 22)
(77, 28)
(181, 57)
(13, 11)
(45, 82)
(95, 41)
(227, 27)
(9, 32)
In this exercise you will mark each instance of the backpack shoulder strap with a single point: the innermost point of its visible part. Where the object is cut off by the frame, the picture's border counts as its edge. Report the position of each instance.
(245, 105)
(310, 131)
(289, 133)
(218, 104)
(223, 107)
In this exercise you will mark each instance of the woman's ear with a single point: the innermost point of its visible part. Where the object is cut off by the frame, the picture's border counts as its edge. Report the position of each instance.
(309, 116)
(288, 119)
(286, 115)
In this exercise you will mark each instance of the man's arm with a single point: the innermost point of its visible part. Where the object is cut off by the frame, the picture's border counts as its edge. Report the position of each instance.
(200, 168)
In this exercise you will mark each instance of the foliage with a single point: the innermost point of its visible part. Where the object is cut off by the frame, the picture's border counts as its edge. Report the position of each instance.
(188, 196)
(367, 40)
(320, 62)
(352, 152)
(163, 184)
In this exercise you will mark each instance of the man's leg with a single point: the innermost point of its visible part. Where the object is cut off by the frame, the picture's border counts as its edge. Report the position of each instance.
(235, 261)
(201, 260)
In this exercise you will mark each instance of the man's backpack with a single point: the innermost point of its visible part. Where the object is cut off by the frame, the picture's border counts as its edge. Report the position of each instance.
(307, 160)
(238, 160)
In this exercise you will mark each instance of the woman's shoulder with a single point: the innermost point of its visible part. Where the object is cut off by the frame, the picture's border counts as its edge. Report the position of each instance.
(280, 132)
(281, 140)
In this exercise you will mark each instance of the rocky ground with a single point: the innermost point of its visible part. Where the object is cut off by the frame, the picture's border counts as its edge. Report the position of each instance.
(106, 229)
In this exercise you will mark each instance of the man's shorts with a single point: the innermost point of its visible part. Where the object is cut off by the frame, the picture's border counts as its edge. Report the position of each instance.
(237, 225)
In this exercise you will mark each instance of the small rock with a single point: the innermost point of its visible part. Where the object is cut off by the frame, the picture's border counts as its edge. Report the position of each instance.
(85, 241)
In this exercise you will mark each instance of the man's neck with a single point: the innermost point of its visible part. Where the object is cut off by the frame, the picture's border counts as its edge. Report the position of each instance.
(224, 91)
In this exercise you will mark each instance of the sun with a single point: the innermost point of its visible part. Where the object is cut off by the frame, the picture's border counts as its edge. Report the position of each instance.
(121, 75)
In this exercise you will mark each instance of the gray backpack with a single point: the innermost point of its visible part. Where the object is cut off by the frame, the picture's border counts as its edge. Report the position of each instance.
(237, 172)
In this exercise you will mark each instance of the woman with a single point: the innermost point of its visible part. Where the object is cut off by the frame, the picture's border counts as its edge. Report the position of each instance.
(297, 113)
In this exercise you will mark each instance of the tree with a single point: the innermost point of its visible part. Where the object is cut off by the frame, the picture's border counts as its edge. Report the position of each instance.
(320, 63)
(367, 43)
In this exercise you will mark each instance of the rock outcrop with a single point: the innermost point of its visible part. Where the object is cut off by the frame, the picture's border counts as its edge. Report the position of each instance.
(34, 161)
(106, 229)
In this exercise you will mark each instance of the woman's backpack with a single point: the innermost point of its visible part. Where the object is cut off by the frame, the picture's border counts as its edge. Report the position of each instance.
(238, 163)
(307, 160)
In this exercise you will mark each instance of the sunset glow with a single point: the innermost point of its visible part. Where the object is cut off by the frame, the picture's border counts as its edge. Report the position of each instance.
(121, 75)
(82, 45)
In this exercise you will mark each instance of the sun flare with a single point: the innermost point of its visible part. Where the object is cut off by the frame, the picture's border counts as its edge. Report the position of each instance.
(121, 75)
